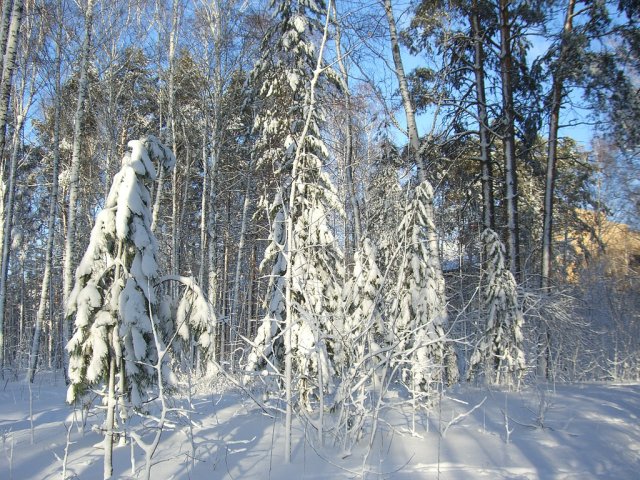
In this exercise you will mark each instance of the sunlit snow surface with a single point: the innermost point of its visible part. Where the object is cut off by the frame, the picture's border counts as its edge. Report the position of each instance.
(582, 431)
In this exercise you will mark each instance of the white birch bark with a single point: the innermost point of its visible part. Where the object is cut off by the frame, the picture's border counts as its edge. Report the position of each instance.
(214, 15)
(235, 299)
(4, 28)
(24, 100)
(173, 39)
(110, 420)
(6, 239)
(8, 65)
(74, 180)
(412, 127)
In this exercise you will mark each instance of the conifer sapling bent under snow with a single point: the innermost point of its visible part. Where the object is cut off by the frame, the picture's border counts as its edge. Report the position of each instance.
(113, 301)
(499, 354)
(419, 322)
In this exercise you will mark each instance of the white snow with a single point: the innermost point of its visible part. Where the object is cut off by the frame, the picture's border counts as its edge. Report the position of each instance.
(581, 431)
(100, 349)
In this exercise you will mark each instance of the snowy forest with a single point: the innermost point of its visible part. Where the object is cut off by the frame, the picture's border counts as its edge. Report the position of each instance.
(346, 218)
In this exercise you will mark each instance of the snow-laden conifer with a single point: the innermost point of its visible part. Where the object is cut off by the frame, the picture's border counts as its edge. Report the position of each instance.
(307, 262)
(113, 298)
(122, 333)
(419, 325)
(385, 203)
(499, 354)
(363, 323)
(267, 353)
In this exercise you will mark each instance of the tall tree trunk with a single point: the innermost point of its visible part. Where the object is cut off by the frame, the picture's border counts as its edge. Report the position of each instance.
(509, 140)
(212, 244)
(110, 420)
(53, 203)
(215, 26)
(4, 28)
(173, 38)
(8, 65)
(348, 148)
(407, 104)
(23, 101)
(158, 186)
(213, 278)
(74, 180)
(204, 206)
(488, 215)
(552, 149)
(250, 288)
(6, 240)
(224, 294)
(235, 299)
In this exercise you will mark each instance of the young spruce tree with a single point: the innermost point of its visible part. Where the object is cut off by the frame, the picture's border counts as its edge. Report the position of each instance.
(499, 354)
(307, 272)
(113, 299)
(419, 309)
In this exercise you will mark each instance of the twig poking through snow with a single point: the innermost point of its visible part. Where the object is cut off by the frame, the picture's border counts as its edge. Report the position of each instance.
(461, 416)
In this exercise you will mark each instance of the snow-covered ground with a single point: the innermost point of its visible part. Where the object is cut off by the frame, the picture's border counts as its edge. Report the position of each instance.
(582, 431)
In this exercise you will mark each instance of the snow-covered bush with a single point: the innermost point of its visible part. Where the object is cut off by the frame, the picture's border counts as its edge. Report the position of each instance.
(122, 332)
(114, 300)
(363, 323)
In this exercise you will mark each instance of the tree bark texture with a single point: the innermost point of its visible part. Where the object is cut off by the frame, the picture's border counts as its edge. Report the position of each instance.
(407, 104)
(509, 140)
(74, 180)
(8, 65)
(552, 149)
(488, 214)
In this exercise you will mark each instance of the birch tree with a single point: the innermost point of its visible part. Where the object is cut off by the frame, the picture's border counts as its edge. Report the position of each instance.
(74, 180)
(9, 47)
(407, 103)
